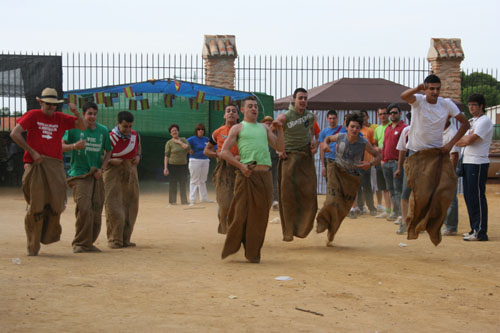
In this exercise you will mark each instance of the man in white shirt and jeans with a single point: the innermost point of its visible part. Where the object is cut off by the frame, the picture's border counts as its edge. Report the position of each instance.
(477, 143)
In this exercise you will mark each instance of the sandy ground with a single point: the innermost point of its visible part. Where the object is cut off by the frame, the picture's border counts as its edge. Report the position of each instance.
(174, 280)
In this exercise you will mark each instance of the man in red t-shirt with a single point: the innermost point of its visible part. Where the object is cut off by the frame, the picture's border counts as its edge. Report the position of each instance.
(44, 180)
(390, 156)
(224, 173)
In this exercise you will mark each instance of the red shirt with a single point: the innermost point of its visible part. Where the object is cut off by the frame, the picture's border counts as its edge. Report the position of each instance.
(45, 133)
(220, 135)
(391, 138)
(126, 149)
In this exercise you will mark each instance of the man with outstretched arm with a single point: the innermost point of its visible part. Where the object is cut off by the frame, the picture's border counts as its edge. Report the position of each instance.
(44, 179)
(253, 189)
(428, 170)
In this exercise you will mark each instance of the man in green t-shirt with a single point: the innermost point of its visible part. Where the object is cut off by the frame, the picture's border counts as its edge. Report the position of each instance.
(90, 153)
(379, 135)
(253, 188)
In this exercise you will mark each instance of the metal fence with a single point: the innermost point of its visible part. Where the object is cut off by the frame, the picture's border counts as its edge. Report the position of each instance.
(274, 75)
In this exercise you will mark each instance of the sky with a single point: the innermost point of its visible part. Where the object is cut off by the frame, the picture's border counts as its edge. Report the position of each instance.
(309, 28)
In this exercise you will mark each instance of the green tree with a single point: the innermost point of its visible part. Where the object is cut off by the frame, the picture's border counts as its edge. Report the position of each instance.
(481, 83)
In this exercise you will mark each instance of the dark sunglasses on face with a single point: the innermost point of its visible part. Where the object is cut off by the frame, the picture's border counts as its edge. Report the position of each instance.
(49, 104)
(393, 112)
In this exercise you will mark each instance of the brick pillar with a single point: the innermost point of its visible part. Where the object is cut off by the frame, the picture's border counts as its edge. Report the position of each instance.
(445, 56)
(219, 52)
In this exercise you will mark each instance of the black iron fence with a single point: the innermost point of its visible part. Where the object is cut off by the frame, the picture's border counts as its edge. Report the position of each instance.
(274, 75)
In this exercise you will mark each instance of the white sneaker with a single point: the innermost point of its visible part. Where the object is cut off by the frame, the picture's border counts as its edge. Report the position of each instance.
(467, 234)
(275, 205)
(471, 238)
(447, 232)
(380, 208)
(382, 215)
(365, 211)
(398, 220)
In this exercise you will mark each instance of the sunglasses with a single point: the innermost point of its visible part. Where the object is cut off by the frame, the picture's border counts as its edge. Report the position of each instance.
(49, 104)
(393, 112)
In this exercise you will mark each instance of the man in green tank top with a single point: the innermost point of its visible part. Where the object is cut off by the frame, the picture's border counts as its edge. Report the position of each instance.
(90, 153)
(296, 171)
(253, 189)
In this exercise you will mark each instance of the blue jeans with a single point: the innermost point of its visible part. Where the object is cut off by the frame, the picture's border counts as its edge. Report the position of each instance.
(365, 189)
(394, 185)
(475, 176)
(451, 220)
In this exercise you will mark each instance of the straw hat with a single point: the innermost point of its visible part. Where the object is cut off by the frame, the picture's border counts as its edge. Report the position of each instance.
(266, 118)
(49, 95)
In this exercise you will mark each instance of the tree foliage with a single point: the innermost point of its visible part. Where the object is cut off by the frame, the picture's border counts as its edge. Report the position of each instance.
(480, 83)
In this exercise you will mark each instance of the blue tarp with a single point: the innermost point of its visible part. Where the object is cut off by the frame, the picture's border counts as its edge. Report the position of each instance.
(167, 86)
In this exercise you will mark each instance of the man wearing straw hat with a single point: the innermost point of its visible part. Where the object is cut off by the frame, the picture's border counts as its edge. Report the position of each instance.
(44, 180)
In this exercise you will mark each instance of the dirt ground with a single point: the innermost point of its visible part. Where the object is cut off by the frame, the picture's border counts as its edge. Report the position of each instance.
(174, 280)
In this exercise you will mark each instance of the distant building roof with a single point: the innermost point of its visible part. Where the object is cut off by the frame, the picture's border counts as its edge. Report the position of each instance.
(445, 48)
(219, 45)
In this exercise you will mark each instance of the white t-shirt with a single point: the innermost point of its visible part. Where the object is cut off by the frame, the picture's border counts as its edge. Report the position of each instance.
(478, 152)
(428, 121)
(401, 146)
(448, 135)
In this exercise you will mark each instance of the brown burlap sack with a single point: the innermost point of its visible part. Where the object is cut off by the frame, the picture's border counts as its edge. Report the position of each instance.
(223, 177)
(121, 191)
(341, 188)
(44, 189)
(433, 181)
(88, 194)
(249, 214)
(297, 194)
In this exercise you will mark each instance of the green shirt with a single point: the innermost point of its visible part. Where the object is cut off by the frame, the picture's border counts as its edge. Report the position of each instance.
(175, 153)
(297, 129)
(380, 134)
(253, 145)
(96, 139)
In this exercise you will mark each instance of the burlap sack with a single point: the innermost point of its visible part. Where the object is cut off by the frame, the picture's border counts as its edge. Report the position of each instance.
(121, 190)
(249, 214)
(297, 194)
(433, 181)
(88, 194)
(341, 188)
(44, 189)
(224, 177)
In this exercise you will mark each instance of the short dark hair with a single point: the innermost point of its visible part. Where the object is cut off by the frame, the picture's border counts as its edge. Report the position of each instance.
(433, 78)
(125, 115)
(479, 99)
(302, 90)
(332, 112)
(249, 98)
(356, 117)
(365, 112)
(231, 104)
(89, 105)
(198, 127)
(392, 106)
(172, 126)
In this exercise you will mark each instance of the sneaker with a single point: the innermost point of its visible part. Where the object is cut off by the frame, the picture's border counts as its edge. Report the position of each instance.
(380, 208)
(392, 217)
(207, 201)
(352, 213)
(466, 234)
(382, 215)
(275, 205)
(471, 238)
(448, 232)
(191, 204)
(364, 211)
(401, 230)
(398, 220)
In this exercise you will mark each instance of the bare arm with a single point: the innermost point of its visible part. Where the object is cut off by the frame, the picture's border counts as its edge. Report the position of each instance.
(454, 160)
(325, 145)
(460, 133)
(277, 142)
(282, 118)
(138, 156)
(165, 169)
(322, 160)
(372, 151)
(226, 151)
(74, 146)
(210, 151)
(401, 160)
(17, 136)
(409, 94)
(468, 140)
(79, 122)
